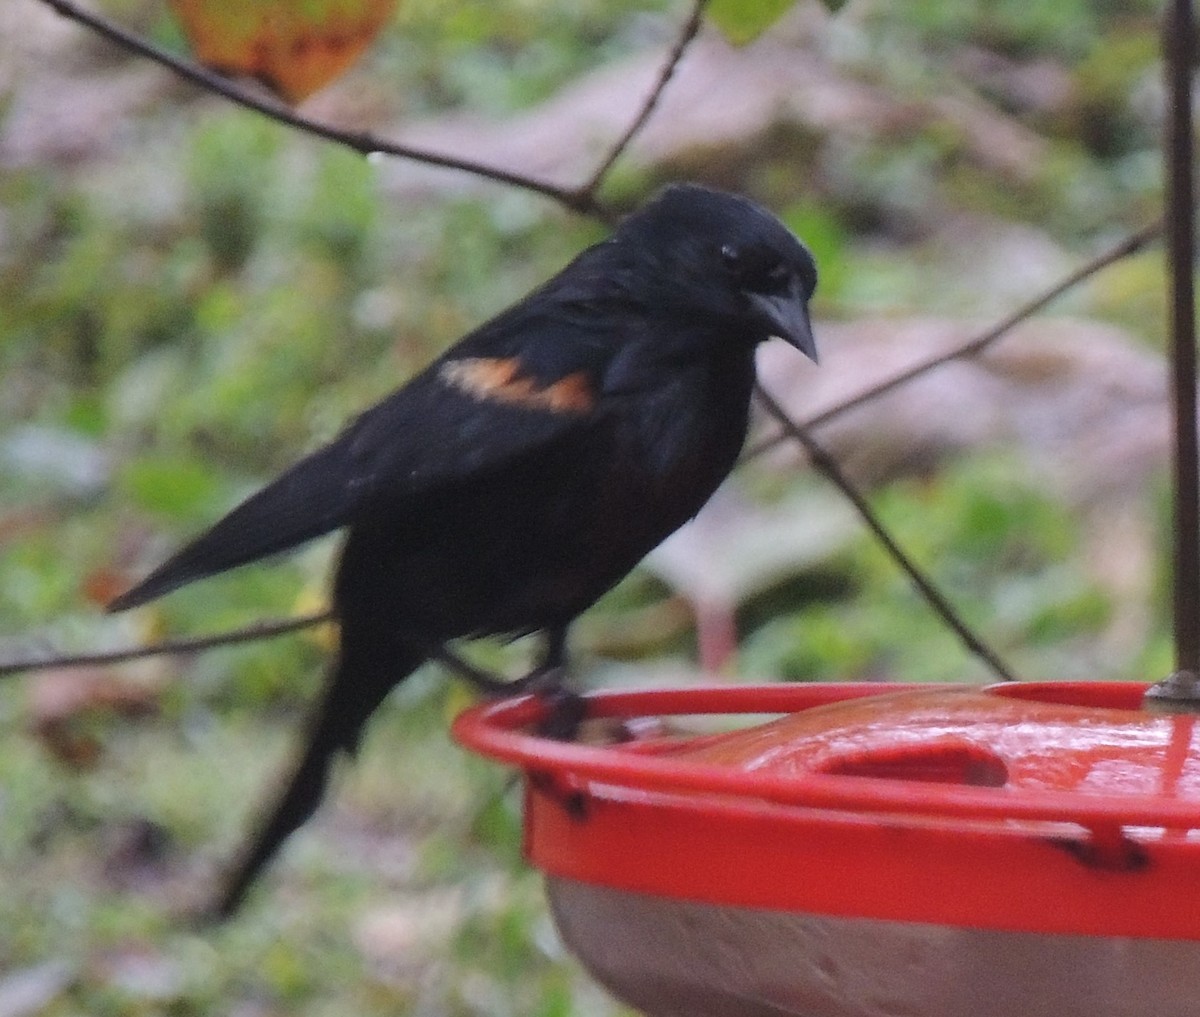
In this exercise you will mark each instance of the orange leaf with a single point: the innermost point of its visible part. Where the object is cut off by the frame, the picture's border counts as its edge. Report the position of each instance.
(103, 584)
(293, 47)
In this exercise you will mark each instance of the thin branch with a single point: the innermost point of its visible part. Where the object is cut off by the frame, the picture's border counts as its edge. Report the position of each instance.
(442, 654)
(688, 33)
(979, 343)
(193, 644)
(828, 466)
(580, 201)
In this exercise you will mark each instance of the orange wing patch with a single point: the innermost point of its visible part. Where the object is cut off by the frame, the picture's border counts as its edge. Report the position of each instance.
(499, 379)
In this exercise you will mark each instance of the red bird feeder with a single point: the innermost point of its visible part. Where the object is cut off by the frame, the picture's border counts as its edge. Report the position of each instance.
(1014, 850)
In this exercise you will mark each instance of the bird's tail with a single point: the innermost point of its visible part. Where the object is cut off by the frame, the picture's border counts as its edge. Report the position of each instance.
(307, 501)
(336, 726)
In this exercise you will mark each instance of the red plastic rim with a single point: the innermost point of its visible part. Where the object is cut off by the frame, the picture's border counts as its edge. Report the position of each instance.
(849, 840)
(496, 730)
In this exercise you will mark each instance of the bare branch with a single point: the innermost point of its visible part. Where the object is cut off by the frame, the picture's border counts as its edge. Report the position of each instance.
(251, 633)
(259, 630)
(688, 33)
(979, 343)
(827, 465)
(580, 201)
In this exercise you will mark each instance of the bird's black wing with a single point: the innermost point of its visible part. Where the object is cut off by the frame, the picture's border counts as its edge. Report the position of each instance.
(515, 386)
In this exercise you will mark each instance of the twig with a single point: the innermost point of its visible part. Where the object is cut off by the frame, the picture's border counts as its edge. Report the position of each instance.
(259, 630)
(577, 200)
(828, 466)
(688, 33)
(979, 343)
(251, 633)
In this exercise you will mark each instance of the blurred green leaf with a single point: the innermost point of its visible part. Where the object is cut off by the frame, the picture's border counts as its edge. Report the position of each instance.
(828, 239)
(174, 488)
(743, 21)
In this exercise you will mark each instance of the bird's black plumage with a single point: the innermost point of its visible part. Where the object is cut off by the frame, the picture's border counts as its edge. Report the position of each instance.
(531, 466)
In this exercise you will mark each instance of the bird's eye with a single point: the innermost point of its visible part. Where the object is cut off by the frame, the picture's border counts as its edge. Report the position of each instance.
(777, 274)
(755, 270)
(766, 277)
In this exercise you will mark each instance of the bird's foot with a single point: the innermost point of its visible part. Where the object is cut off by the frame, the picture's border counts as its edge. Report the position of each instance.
(565, 710)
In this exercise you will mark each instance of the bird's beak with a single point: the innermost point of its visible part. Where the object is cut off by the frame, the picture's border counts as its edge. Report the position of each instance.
(786, 315)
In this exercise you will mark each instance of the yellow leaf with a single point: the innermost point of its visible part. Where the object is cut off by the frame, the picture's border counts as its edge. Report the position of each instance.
(310, 600)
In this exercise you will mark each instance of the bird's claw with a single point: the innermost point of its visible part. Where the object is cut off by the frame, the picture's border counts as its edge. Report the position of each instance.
(565, 711)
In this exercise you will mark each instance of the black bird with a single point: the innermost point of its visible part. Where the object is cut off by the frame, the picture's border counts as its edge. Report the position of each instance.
(530, 467)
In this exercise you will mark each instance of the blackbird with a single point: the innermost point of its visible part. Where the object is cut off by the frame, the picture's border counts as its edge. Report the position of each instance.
(527, 469)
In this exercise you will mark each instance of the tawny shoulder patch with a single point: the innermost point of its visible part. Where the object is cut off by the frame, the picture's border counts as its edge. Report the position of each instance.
(499, 379)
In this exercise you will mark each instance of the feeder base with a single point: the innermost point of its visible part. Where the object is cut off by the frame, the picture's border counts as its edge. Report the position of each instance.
(673, 958)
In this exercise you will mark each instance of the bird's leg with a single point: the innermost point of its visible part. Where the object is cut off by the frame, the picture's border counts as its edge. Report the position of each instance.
(549, 677)
(483, 681)
(565, 709)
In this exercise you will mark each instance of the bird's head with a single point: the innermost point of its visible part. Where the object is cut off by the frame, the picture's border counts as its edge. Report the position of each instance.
(722, 258)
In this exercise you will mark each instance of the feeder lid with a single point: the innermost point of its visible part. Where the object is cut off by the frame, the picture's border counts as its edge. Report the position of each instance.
(1048, 807)
(1087, 737)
